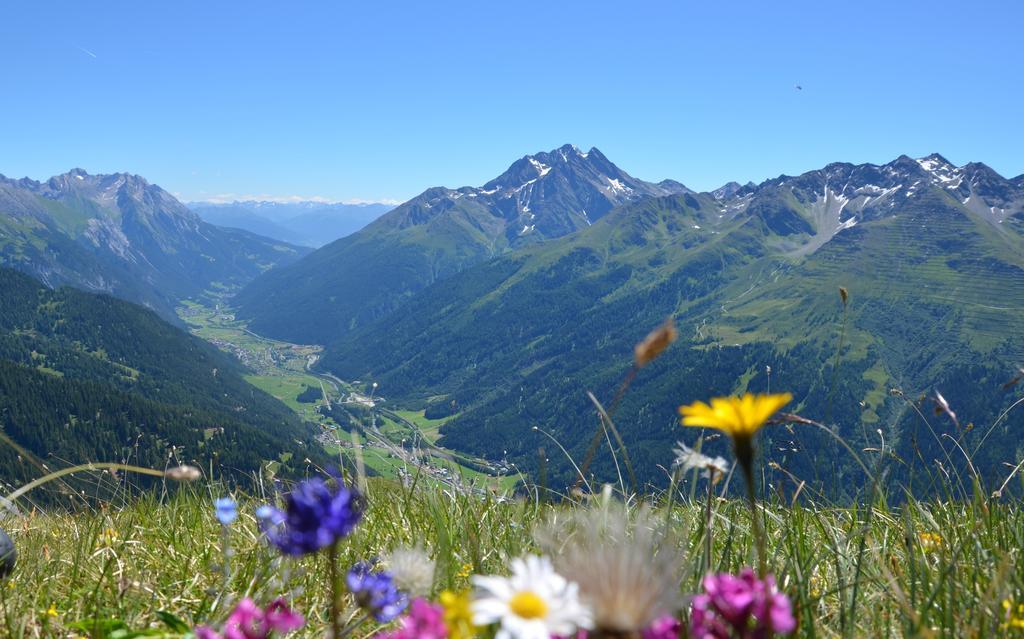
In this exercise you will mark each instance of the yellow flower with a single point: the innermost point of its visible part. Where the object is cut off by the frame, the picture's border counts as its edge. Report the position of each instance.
(738, 417)
(467, 570)
(930, 541)
(458, 614)
(1014, 619)
(52, 611)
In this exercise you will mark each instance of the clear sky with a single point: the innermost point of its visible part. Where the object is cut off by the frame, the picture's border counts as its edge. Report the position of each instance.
(380, 100)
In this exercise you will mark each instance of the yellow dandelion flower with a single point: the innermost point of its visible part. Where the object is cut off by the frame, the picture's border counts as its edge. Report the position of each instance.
(738, 417)
(458, 614)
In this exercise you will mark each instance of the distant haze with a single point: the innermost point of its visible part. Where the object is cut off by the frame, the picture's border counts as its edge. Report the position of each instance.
(306, 223)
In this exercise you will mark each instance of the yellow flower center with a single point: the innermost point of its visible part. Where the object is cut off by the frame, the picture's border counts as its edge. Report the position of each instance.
(528, 606)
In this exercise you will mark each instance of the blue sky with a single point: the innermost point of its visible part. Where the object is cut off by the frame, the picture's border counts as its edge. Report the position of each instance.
(380, 100)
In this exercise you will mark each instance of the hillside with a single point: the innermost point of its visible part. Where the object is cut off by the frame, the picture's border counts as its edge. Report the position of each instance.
(932, 256)
(121, 235)
(369, 274)
(86, 377)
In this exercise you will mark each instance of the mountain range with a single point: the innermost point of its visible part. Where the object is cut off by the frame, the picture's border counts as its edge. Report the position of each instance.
(516, 297)
(351, 282)
(512, 299)
(121, 235)
(306, 223)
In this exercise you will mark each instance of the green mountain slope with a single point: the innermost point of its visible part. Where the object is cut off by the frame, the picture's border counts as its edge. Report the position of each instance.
(118, 234)
(86, 377)
(370, 274)
(932, 256)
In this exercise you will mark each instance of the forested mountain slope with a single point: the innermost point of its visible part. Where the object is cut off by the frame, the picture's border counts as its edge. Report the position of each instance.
(86, 377)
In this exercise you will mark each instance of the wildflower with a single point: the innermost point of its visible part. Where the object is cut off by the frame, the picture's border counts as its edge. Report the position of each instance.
(412, 569)
(1013, 615)
(248, 621)
(465, 571)
(534, 603)
(183, 473)
(458, 614)
(375, 592)
(226, 509)
(424, 621)
(281, 618)
(52, 611)
(206, 632)
(740, 606)
(664, 627)
(738, 417)
(930, 542)
(315, 517)
(688, 459)
(625, 564)
(655, 343)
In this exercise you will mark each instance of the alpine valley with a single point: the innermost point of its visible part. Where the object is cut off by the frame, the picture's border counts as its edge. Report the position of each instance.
(511, 300)
(495, 309)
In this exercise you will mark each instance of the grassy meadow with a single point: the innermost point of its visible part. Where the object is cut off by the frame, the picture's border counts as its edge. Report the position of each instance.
(924, 569)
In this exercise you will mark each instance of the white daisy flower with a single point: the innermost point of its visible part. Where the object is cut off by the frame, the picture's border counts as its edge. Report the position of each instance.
(534, 603)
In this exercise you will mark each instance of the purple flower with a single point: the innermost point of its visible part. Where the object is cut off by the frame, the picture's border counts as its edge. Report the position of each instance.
(740, 606)
(375, 592)
(226, 510)
(315, 516)
(664, 627)
(424, 621)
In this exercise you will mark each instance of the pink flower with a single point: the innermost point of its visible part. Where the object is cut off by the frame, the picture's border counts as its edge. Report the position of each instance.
(281, 618)
(249, 621)
(740, 606)
(664, 627)
(246, 621)
(206, 632)
(423, 621)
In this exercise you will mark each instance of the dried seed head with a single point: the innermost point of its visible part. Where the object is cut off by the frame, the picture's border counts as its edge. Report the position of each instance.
(656, 342)
(844, 294)
(183, 473)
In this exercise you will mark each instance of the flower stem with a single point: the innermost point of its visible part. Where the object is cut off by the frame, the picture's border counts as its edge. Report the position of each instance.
(745, 456)
(707, 521)
(332, 560)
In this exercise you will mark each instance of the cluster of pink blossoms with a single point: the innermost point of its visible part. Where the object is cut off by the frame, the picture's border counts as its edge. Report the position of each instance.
(741, 606)
(249, 621)
(424, 620)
